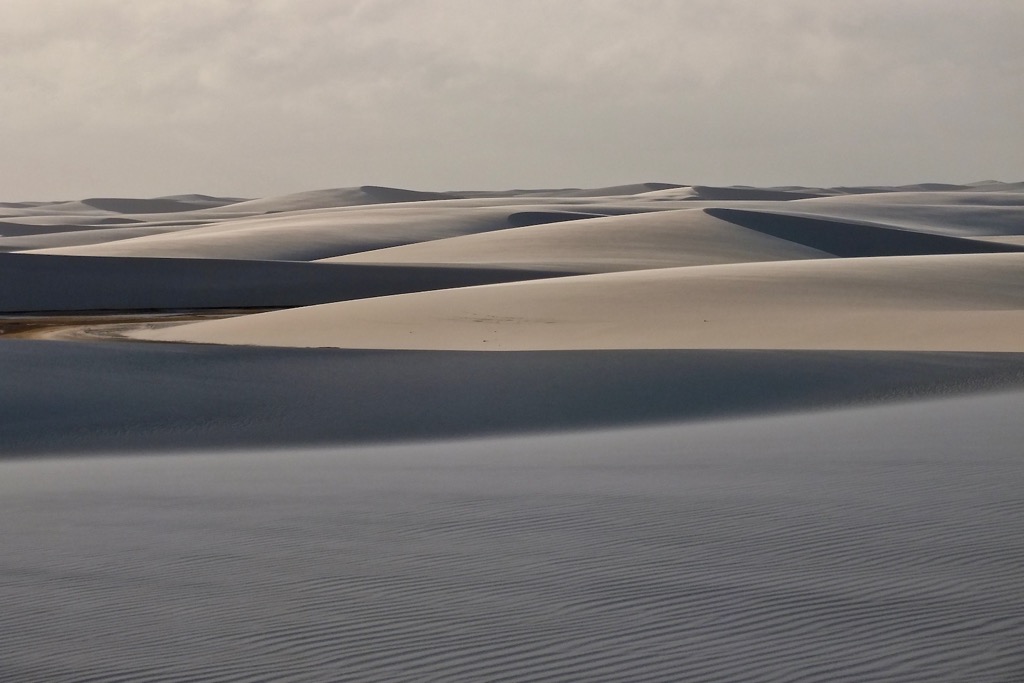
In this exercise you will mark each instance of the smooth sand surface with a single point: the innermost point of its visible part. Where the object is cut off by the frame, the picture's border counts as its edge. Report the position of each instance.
(972, 302)
(964, 214)
(321, 233)
(687, 237)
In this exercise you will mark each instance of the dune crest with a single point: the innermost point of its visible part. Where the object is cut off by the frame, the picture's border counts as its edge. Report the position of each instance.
(972, 302)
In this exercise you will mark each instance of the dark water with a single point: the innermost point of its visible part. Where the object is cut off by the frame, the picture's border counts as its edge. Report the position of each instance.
(878, 544)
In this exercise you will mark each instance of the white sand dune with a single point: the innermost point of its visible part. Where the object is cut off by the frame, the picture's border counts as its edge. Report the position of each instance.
(334, 197)
(639, 241)
(878, 546)
(964, 214)
(850, 238)
(971, 302)
(322, 233)
(170, 204)
(754, 193)
(575, 192)
(60, 239)
(695, 252)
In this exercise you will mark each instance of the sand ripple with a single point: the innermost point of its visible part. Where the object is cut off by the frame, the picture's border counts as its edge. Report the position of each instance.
(870, 545)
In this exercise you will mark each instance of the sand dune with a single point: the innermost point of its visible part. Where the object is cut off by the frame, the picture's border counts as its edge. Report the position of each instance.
(872, 546)
(764, 267)
(941, 219)
(59, 239)
(752, 193)
(122, 205)
(318, 234)
(610, 191)
(852, 239)
(789, 449)
(972, 302)
(344, 196)
(75, 397)
(34, 283)
(632, 242)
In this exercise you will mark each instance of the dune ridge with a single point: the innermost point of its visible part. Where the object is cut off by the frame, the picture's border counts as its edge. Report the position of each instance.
(962, 302)
(603, 244)
(847, 239)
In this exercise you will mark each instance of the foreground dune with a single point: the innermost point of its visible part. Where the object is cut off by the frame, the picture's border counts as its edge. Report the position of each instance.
(102, 397)
(972, 302)
(878, 546)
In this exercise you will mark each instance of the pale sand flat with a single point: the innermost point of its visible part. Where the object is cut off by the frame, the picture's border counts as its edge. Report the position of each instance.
(78, 238)
(951, 302)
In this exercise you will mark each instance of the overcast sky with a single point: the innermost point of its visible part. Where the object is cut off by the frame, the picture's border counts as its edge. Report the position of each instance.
(263, 97)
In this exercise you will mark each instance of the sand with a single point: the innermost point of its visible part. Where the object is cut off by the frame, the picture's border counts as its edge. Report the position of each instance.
(878, 544)
(971, 302)
(917, 269)
(654, 431)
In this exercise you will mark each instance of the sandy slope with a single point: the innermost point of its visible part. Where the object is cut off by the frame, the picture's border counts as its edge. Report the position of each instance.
(75, 397)
(650, 240)
(860, 544)
(35, 282)
(720, 552)
(321, 233)
(959, 302)
(964, 214)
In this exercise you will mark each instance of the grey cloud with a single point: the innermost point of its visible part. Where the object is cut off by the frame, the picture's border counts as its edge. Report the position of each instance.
(259, 97)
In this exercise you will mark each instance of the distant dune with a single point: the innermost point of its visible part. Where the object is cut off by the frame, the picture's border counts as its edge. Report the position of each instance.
(913, 269)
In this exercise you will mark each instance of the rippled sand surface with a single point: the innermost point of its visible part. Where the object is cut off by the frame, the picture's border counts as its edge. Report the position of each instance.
(652, 432)
(870, 544)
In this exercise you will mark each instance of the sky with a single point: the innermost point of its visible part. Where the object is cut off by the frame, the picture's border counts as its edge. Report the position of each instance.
(254, 98)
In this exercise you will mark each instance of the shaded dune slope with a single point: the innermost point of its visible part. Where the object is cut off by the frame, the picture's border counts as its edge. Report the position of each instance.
(958, 214)
(162, 397)
(335, 197)
(137, 206)
(636, 241)
(848, 239)
(752, 193)
(38, 283)
(323, 233)
(59, 239)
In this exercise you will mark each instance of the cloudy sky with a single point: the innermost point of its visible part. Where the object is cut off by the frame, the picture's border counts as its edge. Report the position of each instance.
(262, 97)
